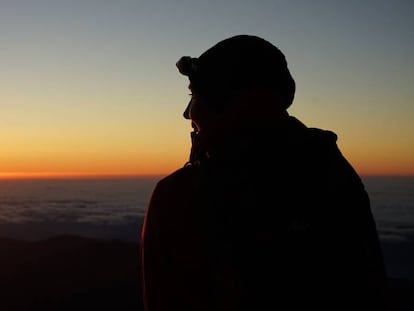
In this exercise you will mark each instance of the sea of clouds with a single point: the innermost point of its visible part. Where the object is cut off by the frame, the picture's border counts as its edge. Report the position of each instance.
(114, 208)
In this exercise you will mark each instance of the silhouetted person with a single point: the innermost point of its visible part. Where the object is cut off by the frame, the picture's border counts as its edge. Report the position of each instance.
(267, 214)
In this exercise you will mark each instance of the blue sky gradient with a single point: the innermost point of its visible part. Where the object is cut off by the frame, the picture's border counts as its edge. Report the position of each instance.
(91, 86)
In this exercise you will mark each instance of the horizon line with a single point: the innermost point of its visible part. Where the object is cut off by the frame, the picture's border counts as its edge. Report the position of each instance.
(50, 175)
(83, 175)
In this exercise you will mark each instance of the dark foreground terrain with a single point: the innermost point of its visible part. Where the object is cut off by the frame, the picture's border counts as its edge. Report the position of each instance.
(69, 273)
(74, 273)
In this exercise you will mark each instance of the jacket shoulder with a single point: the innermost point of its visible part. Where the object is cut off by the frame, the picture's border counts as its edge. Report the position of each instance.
(176, 188)
(322, 136)
(181, 177)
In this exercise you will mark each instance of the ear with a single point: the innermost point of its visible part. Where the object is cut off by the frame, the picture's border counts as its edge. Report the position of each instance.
(256, 98)
(253, 106)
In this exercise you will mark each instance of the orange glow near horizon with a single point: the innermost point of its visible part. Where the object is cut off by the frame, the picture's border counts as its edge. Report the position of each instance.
(366, 161)
(70, 175)
(98, 168)
(95, 165)
(129, 159)
(377, 167)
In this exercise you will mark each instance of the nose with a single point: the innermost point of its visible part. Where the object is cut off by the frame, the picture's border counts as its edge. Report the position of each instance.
(186, 113)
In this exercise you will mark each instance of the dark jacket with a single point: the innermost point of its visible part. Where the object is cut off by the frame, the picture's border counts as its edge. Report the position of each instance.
(273, 219)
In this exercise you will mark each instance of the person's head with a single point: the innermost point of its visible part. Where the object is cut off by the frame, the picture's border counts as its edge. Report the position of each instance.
(239, 71)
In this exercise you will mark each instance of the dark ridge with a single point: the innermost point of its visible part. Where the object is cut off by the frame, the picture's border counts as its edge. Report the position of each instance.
(69, 273)
(76, 273)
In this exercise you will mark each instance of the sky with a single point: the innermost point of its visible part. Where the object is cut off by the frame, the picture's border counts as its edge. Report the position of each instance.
(90, 86)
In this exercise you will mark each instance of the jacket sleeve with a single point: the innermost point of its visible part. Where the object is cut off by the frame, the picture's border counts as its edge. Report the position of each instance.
(154, 261)
(172, 258)
(362, 246)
